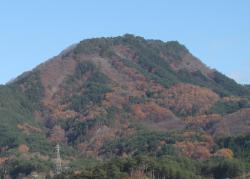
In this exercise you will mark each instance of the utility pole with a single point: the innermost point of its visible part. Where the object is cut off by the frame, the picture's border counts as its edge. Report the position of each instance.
(58, 160)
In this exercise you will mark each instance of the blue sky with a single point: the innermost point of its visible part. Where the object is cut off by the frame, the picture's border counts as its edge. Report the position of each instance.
(216, 31)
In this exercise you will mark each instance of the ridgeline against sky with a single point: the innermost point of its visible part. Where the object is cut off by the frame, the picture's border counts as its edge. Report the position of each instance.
(130, 102)
(215, 31)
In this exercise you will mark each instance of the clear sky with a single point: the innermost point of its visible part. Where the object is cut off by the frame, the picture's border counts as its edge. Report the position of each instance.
(216, 31)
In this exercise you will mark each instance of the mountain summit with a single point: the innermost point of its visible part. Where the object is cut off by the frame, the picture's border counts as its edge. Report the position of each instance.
(121, 96)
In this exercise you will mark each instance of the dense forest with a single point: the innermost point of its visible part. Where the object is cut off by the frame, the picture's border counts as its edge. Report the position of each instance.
(124, 108)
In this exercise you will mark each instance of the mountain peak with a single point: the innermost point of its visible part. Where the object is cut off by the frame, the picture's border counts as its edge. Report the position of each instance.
(123, 95)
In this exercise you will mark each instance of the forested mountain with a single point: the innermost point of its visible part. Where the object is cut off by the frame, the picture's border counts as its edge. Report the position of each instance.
(125, 107)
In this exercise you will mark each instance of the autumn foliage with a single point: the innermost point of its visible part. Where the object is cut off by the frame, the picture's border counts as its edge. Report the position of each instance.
(225, 153)
(186, 99)
(23, 148)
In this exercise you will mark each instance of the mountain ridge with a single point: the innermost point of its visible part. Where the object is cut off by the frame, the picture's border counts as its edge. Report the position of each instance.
(118, 95)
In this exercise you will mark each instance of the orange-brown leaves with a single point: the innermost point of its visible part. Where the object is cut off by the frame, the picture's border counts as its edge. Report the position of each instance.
(233, 124)
(97, 137)
(225, 153)
(28, 129)
(152, 111)
(186, 99)
(54, 72)
(3, 159)
(57, 134)
(59, 111)
(196, 145)
(191, 64)
(23, 148)
(125, 52)
(139, 112)
(194, 150)
(202, 119)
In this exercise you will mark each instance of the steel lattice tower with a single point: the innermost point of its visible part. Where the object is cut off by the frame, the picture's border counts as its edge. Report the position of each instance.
(58, 160)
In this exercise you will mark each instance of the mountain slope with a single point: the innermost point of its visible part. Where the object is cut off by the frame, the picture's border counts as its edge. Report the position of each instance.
(124, 95)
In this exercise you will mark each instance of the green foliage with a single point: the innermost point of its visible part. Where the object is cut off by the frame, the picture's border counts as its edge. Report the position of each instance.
(222, 107)
(38, 142)
(102, 46)
(11, 111)
(178, 167)
(172, 49)
(239, 144)
(223, 168)
(175, 49)
(230, 85)
(149, 62)
(136, 99)
(93, 90)
(83, 162)
(15, 108)
(16, 167)
(83, 68)
(149, 93)
(143, 142)
(151, 152)
(78, 130)
(219, 83)
(197, 78)
(166, 166)
(32, 88)
(152, 65)
(9, 136)
(14, 104)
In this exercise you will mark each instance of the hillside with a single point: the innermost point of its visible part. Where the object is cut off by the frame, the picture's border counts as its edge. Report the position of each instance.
(125, 102)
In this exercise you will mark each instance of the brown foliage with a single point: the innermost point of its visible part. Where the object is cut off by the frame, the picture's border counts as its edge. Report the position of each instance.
(225, 153)
(138, 110)
(53, 72)
(28, 129)
(57, 134)
(96, 138)
(125, 52)
(194, 150)
(202, 119)
(187, 99)
(182, 99)
(153, 111)
(233, 124)
(196, 145)
(23, 148)
(191, 64)
(3, 159)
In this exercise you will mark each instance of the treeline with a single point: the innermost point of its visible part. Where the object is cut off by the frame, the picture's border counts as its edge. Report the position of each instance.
(167, 167)
(239, 144)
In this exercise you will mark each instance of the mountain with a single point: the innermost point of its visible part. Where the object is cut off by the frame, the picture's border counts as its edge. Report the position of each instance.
(125, 97)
